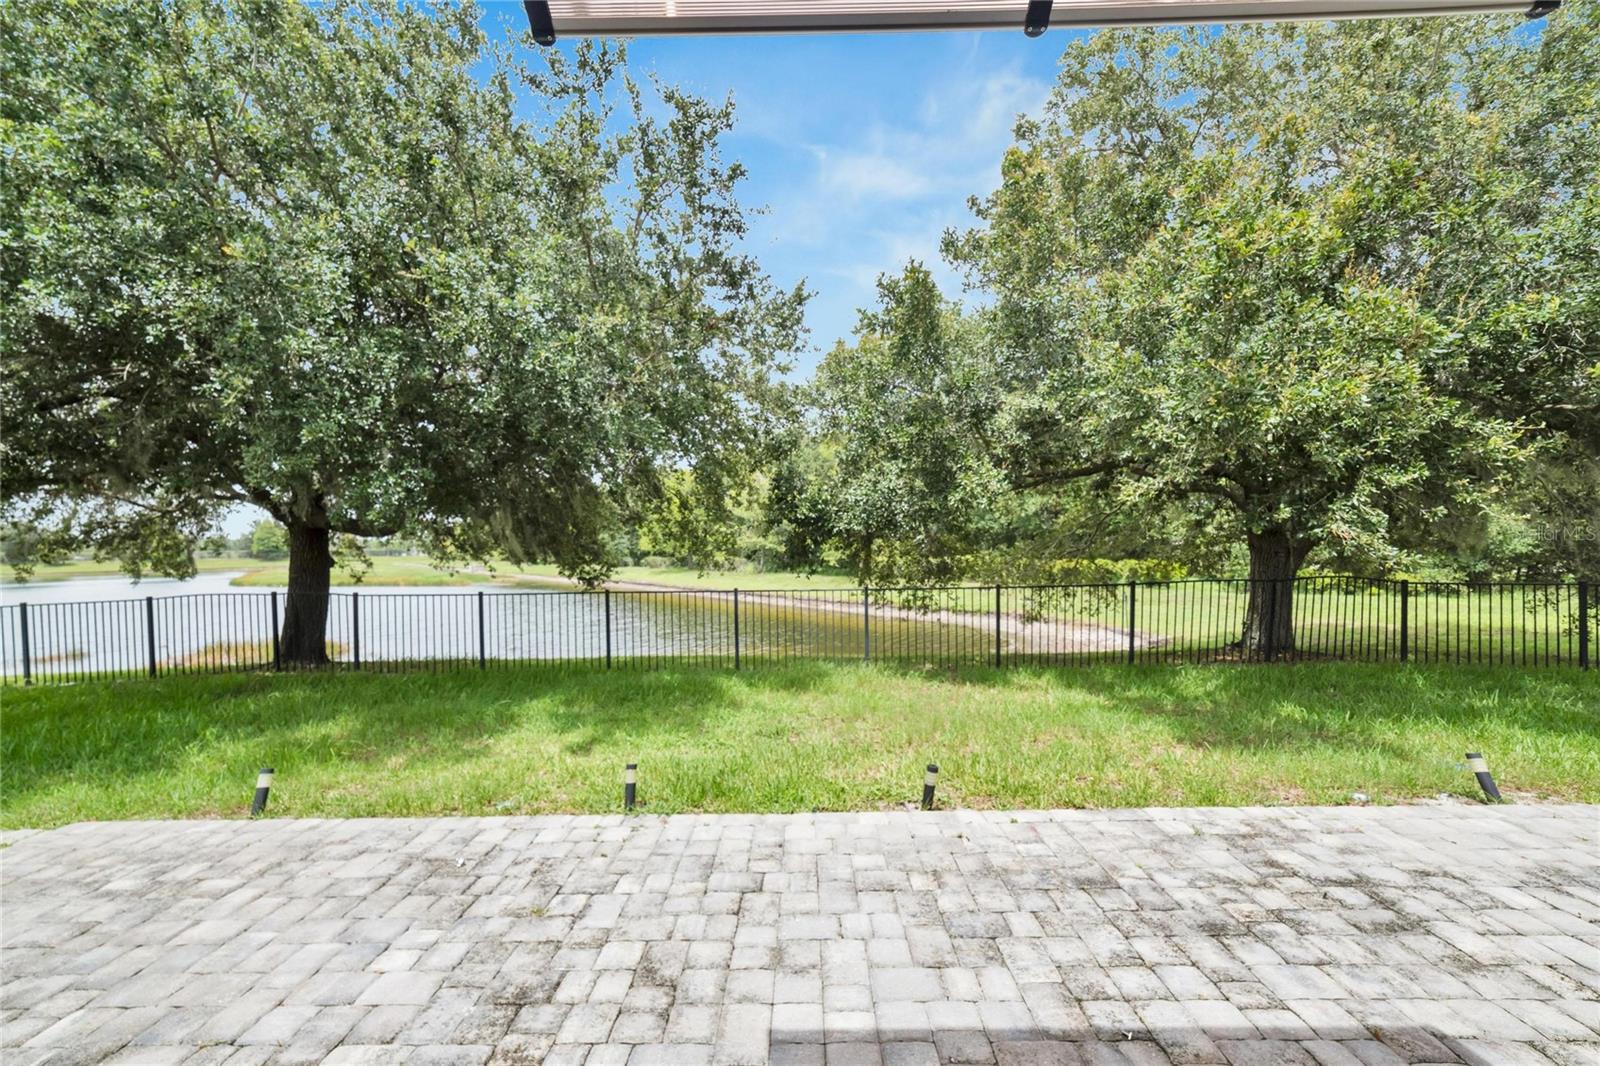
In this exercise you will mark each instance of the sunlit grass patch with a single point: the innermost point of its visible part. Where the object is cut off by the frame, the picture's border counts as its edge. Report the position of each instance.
(236, 653)
(811, 736)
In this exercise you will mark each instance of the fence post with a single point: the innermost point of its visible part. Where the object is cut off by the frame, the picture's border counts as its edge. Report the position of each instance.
(1583, 625)
(277, 651)
(736, 629)
(1272, 619)
(355, 626)
(1405, 620)
(866, 623)
(1132, 618)
(607, 594)
(997, 625)
(150, 631)
(483, 655)
(27, 650)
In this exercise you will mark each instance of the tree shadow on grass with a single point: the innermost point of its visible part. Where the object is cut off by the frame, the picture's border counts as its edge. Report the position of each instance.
(134, 728)
(1314, 704)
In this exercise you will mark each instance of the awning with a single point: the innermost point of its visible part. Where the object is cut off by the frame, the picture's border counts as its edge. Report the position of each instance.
(591, 18)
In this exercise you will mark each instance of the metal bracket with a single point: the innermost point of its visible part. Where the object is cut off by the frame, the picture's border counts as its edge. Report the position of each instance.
(540, 23)
(1541, 8)
(1037, 19)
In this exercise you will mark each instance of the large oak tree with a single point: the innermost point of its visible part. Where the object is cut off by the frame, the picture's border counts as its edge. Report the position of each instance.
(1316, 285)
(329, 262)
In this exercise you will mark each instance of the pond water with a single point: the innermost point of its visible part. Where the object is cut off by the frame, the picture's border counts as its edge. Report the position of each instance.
(119, 626)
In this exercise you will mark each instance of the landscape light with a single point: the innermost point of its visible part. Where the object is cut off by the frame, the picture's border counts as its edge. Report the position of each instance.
(1480, 769)
(258, 803)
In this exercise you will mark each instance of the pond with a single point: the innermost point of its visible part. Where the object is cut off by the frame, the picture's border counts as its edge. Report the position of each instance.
(115, 625)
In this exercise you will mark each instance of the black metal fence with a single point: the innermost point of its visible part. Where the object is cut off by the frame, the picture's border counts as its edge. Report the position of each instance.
(1191, 621)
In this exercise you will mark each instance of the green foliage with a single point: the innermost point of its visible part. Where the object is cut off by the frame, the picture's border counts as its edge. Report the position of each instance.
(905, 496)
(688, 525)
(797, 513)
(1300, 287)
(1230, 271)
(19, 547)
(314, 259)
(267, 541)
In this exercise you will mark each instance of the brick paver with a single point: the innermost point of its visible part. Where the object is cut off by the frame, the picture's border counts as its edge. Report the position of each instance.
(1336, 937)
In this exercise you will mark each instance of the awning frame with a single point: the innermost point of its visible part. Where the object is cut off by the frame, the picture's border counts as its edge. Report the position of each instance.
(548, 19)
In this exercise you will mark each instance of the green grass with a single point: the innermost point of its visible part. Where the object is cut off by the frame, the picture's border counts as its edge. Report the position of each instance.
(416, 570)
(406, 571)
(111, 568)
(684, 577)
(811, 736)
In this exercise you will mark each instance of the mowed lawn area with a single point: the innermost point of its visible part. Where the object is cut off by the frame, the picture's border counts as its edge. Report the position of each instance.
(803, 737)
(417, 570)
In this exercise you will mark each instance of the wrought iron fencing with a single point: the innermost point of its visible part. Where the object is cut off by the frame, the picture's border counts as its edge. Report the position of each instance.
(1190, 621)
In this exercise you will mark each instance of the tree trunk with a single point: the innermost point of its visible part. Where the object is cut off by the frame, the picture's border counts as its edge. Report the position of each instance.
(305, 609)
(1275, 559)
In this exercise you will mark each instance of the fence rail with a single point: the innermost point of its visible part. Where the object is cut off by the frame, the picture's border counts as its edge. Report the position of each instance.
(1190, 621)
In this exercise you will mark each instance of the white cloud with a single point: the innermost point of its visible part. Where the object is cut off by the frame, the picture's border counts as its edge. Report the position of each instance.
(951, 147)
(866, 192)
(868, 176)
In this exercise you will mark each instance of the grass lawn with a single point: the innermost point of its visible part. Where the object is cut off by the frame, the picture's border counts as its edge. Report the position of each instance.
(683, 577)
(810, 736)
(111, 568)
(416, 570)
(408, 571)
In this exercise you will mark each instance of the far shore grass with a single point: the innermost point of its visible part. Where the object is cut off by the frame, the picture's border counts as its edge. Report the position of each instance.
(812, 736)
(406, 571)
(412, 571)
(112, 568)
(689, 578)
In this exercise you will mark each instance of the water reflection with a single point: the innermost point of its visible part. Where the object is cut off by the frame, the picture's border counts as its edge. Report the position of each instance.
(116, 625)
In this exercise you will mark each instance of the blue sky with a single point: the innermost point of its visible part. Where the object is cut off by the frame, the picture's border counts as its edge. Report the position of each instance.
(862, 148)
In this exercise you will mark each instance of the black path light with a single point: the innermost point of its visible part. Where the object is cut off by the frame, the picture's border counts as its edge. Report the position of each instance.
(258, 805)
(630, 785)
(930, 778)
(647, 18)
(1480, 769)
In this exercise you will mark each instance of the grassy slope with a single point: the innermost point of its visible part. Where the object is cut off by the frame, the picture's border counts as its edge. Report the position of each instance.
(386, 570)
(111, 568)
(679, 577)
(411, 571)
(397, 570)
(799, 738)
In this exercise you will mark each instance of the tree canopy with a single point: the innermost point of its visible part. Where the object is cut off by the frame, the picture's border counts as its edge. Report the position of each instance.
(1312, 291)
(1309, 287)
(318, 260)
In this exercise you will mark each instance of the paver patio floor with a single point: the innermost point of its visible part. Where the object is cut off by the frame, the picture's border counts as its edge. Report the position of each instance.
(1287, 935)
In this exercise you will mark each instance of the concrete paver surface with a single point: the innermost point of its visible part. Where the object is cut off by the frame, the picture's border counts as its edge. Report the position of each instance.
(1331, 936)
